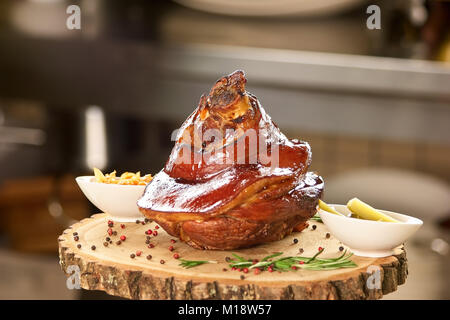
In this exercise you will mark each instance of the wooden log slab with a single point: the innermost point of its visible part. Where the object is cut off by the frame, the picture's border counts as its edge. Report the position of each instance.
(114, 271)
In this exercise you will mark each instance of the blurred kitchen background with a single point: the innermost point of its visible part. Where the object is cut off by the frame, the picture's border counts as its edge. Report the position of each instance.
(373, 104)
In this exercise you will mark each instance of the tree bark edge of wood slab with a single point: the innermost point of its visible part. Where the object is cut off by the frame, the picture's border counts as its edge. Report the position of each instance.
(137, 284)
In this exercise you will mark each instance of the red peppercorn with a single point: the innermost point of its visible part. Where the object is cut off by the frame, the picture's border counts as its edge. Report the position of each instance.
(294, 268)
(270, 269)
(110, 223)
(302, 262)
(238, 269)
(173, 240)
(149, 232)
(122, 226)
(123, 238)
(155, 233)
(157, 227)
(110, 231)
(176, 256)
(320, 248)
(233, 268)
(151, 245)
(171, 248)
(138, 253)
(245, 270)
(257, 271)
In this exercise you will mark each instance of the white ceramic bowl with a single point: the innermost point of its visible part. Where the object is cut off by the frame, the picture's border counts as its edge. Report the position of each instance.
(369, 238)
(119, 201)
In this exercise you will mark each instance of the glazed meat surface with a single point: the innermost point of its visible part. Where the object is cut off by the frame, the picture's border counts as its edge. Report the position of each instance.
(233, 179)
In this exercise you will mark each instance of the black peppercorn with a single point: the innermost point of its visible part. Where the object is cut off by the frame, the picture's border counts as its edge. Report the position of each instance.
(79, 246)
(295, 240)
(162, 261)
(105, 244)
(341, 248)
(93, 247)
(107, 238)
(242, 277)
(76, 238)
(132, 256)
(138, 221)
(327, 235)
(118, 242)
(227, 259)
(301, 250)
(149, 257)
(314, 227)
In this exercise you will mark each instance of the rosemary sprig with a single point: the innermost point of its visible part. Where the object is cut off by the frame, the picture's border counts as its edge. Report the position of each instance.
(276, 254)
(286, 263)
(193, 263)
(316, 217)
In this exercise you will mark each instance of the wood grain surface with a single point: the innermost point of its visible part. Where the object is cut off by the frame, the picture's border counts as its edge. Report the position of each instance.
(114, 271)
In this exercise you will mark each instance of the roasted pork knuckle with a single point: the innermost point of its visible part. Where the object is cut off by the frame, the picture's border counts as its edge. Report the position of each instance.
(233, 180)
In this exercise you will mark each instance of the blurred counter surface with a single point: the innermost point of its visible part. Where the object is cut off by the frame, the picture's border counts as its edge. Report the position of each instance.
(154, 59)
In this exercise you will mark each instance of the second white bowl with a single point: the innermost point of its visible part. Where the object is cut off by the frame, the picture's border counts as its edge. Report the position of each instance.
(369, 238)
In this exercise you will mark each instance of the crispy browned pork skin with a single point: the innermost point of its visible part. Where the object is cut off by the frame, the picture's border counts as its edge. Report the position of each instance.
(220, 190)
